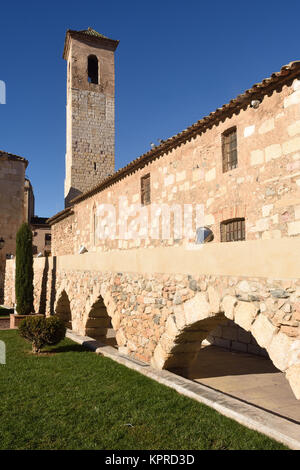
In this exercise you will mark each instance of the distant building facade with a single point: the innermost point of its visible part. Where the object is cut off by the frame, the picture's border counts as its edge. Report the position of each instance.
(17, 205)
(41, 236)
(12, 196)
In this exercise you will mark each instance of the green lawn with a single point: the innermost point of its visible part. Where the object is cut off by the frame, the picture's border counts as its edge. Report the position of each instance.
(70, 398)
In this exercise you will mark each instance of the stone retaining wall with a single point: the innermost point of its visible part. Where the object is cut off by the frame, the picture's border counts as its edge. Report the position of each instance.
(163, 317)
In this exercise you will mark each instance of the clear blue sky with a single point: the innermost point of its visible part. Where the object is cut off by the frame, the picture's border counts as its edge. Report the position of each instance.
(176, 62)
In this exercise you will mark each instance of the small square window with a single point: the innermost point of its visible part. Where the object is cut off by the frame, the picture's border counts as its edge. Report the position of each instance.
(229, 149)
(145, 190)
(233, 230)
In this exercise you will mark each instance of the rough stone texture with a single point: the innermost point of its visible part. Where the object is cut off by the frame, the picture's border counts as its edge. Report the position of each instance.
(268, 170)
(151, 327)
(90, 118)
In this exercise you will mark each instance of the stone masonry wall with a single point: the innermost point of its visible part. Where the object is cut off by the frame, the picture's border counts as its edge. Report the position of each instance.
(90, 119)
(264, 188)
(164, 318)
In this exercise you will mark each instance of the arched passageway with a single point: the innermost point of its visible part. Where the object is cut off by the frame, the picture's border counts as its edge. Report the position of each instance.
(63, 310)
(194, 321)
(98, 325)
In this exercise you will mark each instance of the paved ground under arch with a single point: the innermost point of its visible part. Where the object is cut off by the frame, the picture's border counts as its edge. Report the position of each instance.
(247, 377)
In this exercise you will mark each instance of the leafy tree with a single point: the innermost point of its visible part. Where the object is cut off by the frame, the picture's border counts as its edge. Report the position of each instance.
(24, 270)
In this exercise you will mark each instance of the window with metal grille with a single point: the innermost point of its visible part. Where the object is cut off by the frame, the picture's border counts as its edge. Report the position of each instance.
(233, 230)
(145, 190)
(229, 149)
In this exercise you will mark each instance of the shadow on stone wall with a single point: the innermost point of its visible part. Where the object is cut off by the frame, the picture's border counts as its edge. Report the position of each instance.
(48, 292)
(43, 295)
(53, 286)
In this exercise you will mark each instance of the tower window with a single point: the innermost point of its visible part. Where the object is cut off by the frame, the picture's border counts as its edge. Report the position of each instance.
(93, 69)
(229, 149)
(233, 230)
(145, 190)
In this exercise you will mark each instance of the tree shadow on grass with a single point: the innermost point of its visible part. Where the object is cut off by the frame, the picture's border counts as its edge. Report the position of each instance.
(67, 348)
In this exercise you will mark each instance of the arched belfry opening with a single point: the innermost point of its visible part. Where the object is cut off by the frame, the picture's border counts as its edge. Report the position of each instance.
(63, 310)
(98, 325)
(93, 69)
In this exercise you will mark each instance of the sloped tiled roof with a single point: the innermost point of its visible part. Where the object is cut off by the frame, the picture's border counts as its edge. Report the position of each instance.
(89, 33)
(92, 32)
(258, 90)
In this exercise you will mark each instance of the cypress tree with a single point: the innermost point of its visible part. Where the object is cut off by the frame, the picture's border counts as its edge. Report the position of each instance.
(24, 270)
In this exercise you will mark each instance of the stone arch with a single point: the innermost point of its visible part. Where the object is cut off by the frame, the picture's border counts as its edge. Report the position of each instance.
(194, 319)
(62, 308)
(100, 319)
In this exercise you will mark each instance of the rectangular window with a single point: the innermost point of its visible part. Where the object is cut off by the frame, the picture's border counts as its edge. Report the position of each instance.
(233, 230)
(229, 149)
(48, 239)
(145, 190)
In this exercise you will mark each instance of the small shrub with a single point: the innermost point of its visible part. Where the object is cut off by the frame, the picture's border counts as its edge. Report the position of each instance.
(55, 330)
(42, 331)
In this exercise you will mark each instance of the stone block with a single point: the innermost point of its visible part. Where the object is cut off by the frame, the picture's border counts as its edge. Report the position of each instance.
(244, 314)
(249, 130)
(294, 98)
(263, 331)
(293, 376)
(210, 175)
(290, 146)
(227, 305)
(272, 152)
(159, 357)
(197, 309)
(266, 126)
(293, 228)
(229, 332)
(171, 328)
(279, 350)
(180, 176)
(294, 128)
(237, 346)
(256, 157)
(214, 299)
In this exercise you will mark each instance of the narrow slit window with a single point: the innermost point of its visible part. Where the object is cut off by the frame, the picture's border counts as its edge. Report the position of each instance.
(229, 149)
(93, 69)
(233, 230)
(145, 190)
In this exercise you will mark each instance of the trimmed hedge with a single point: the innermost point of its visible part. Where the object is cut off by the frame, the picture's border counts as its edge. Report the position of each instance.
(42, 331)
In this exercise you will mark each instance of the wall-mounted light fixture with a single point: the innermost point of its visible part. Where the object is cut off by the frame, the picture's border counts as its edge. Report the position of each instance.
(255, 104)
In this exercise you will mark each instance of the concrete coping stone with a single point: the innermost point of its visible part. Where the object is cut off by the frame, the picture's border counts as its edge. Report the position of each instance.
(251, 416)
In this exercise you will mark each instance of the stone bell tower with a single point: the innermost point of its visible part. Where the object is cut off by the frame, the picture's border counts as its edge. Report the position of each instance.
(90, 153)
